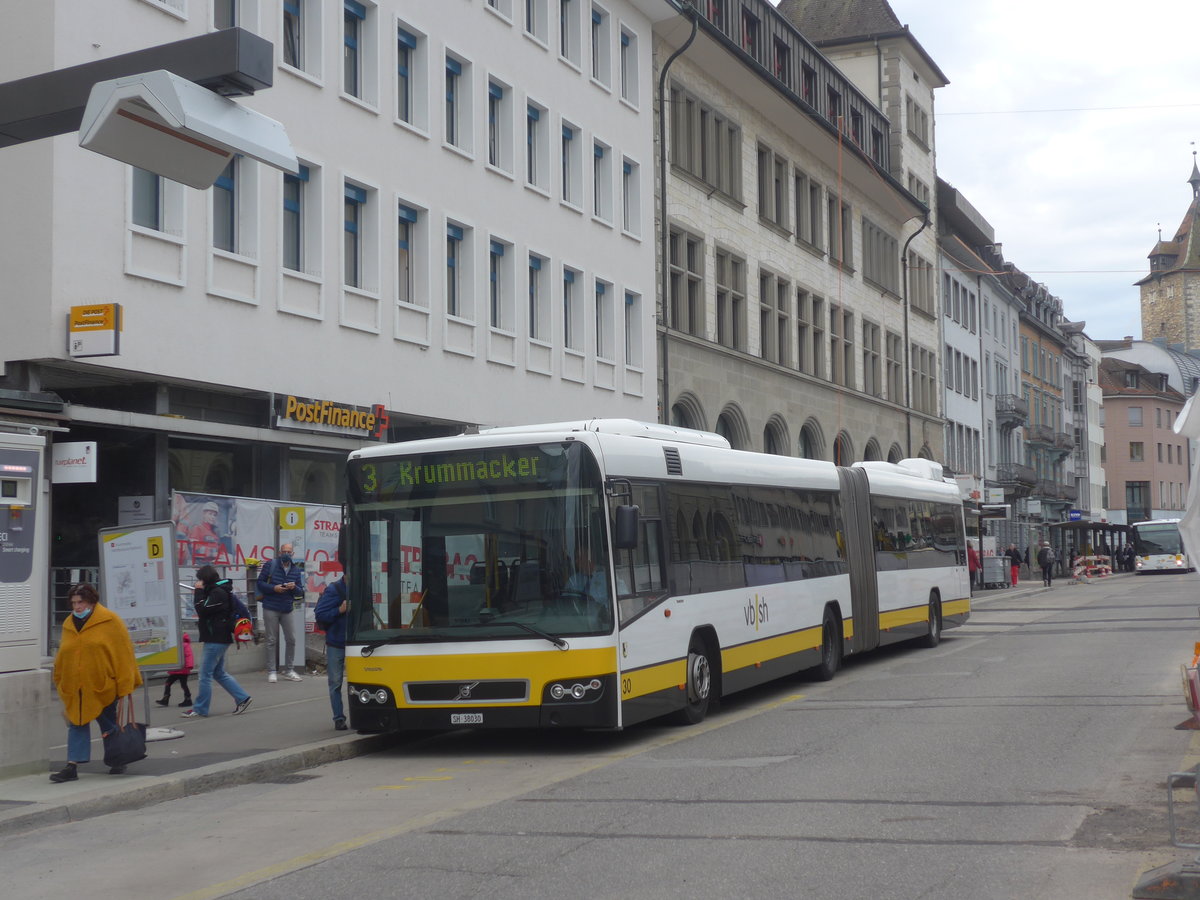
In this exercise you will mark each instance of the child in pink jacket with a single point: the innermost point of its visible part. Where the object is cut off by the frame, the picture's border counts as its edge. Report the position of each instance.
(181, 675)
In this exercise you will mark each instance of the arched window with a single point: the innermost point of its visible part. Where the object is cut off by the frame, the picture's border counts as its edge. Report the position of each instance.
(809, 448)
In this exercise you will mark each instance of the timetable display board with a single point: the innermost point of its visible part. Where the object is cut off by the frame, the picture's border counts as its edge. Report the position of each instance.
(138, 580)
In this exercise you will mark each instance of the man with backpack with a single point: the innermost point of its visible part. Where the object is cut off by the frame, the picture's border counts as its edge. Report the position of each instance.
(1046, 559)
(280, 585)
(331, 617)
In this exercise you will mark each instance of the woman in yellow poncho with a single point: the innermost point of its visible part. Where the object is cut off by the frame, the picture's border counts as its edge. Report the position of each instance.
(94, 667)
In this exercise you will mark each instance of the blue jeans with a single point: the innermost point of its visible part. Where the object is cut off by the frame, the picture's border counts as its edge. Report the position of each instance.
(212, 668)
(79, 737)
(335, 672)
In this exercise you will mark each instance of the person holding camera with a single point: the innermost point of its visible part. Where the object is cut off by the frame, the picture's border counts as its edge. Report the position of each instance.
(280, 585)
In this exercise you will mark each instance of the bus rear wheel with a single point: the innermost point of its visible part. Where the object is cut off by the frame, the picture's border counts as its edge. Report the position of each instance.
(933, 634)
(699, 684)
(831, 648)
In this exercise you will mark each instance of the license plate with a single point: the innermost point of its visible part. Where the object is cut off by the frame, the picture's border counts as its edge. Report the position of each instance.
(466, 718)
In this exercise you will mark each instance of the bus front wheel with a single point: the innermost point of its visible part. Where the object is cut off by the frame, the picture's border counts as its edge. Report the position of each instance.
(699, 684)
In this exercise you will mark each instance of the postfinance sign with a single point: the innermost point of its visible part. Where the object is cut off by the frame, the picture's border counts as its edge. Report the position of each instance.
(327, 414)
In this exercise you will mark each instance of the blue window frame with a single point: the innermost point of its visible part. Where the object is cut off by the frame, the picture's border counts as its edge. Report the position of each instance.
(454, 239)
(353, 16)
(495, 103)
(532, 116)
(293, 219)
(453, 75)
(568, 304)
(495, 284)
(535, 294)
(224, 206)
(293, 33)
(406, 226)
(355, 201)
(406, 50)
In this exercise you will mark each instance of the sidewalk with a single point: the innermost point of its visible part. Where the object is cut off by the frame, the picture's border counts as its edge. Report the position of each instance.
(287, 728)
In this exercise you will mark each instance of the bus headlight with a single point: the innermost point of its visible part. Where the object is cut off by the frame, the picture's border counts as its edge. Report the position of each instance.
(575, 691)
(370, 694)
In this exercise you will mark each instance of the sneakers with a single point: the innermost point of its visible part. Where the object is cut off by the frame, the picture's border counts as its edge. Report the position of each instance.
(67, 774)
(340, 724)
(291, 675)
(272, 678)
(243, 706)
(191, 714)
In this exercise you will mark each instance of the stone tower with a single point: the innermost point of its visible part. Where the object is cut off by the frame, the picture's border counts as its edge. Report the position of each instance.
(1171, 292)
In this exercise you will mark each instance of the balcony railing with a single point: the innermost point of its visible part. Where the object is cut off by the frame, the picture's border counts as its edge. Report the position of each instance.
(1046, 489)
(1063, 441)
(1015, 473)
(1068, 492)
(1011, 410)
(1039, 434)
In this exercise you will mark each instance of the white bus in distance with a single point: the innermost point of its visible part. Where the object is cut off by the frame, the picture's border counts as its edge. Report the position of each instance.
(1158, 547)
(601, 573)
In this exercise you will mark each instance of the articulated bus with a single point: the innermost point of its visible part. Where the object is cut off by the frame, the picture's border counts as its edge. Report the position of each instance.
(1158, 547)
(602, 573)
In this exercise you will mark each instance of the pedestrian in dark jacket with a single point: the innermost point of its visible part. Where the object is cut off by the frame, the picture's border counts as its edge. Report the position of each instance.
(1014, 562)
(1046, 560)
(214, 614)
(331, 617)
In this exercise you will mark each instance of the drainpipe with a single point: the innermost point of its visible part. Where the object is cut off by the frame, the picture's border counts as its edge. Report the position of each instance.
(907, 345)
(683, 9)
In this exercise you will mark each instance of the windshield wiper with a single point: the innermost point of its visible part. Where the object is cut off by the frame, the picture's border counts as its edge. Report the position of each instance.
(552, 638)
(371, 647)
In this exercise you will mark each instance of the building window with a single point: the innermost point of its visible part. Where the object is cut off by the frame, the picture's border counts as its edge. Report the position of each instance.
(633, 329)
(602, 186)
(407, 220)
(538, 308)
(294, 219)
(809, 204)
(407, 46)
(705, 143)
(751, 34)
(499, 126)
(924, 379)
(604, 320)
(1137, 500)
(601, 54)
(872, 369)
(537, 150)
(456, 274)
(917, 120)
(631, 198)
(921, 284)
(568, 31)
(454, 102)
(146, 208)
(301, 35)
(810, 334)
(353, 221)
(500, 311)
(1137, 452)
(572, 323)
(571, 165)
(687, 283)
(774, 317)
(224, 208)
(1135, 416)
(840, 225)
(841, 346)
(730, 278)
(881, 257)
(629, 67)
(353, 18)
(772, 187)
(894, 347)
(225, 14)
(535, 20)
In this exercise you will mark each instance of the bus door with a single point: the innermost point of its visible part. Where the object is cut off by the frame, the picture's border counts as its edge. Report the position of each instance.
(860, 558)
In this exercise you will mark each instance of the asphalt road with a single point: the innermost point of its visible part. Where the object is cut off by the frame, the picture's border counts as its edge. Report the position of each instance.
(1023, 758)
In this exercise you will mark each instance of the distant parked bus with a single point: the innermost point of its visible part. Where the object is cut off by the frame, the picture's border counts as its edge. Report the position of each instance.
(1159, 548)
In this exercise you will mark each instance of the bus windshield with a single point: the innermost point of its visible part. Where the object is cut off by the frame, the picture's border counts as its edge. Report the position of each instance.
(478, 544)
(1152, 540)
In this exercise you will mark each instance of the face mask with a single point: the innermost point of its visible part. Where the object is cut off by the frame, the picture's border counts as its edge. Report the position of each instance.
(81, 615)
(286, 559)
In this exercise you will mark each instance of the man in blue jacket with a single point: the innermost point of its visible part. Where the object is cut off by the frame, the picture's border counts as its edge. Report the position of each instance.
(280, 585)
(331, 618)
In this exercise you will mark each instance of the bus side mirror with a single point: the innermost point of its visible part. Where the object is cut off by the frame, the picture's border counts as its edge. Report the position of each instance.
(627, 527)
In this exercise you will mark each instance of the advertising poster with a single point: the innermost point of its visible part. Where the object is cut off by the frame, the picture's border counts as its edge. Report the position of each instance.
(137, 582)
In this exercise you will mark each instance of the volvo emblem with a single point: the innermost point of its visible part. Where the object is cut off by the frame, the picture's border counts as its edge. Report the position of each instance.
(464, 691)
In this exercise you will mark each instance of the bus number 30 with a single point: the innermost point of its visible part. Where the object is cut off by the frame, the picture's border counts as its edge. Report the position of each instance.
(626, 687)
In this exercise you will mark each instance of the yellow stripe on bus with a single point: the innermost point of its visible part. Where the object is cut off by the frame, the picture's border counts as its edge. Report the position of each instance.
(750, 654)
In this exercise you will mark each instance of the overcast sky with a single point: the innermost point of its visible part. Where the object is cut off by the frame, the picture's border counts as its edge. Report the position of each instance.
(1075, 194)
